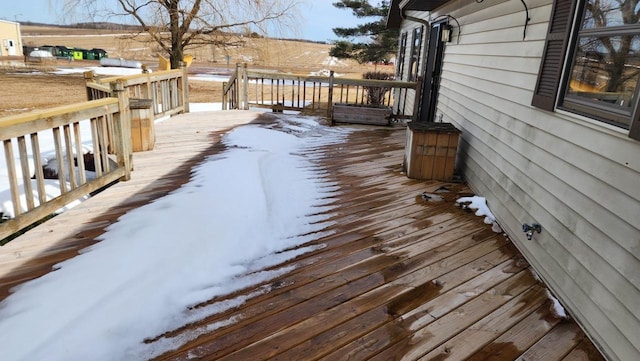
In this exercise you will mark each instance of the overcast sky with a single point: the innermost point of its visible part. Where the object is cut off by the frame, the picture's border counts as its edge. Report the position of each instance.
(319, 16)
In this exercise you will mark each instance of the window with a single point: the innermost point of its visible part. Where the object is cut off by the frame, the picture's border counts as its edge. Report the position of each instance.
(602, 72)
(414, 61)
(402, 51)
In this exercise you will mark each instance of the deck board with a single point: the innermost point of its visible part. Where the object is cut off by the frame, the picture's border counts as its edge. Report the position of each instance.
(397, 277)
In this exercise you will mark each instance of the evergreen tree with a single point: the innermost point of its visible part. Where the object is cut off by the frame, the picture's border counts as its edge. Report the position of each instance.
(368, 42)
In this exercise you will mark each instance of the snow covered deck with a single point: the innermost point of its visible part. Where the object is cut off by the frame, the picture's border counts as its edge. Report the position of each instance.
(395, 276)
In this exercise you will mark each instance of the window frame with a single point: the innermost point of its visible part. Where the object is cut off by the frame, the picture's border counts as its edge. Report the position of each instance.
(550, 92)
(402, 54)
(416, 51)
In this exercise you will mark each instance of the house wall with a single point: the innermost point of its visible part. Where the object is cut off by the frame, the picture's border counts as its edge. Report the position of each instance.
(10, 30)
(577, 177)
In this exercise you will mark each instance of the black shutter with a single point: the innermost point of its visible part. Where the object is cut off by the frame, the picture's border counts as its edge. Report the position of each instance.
(555, 49)
(634, 129)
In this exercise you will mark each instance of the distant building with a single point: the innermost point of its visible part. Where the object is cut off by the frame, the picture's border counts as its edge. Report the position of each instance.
(10, 38)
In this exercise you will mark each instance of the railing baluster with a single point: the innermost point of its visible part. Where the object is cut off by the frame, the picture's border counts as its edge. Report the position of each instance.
(298, 102)
(262, 91)
(293, 94)
(103, 129)
(26, 174)
(13, 179)
(304, 94)
(95, 135)
(38, 171)
(70, 158)
(313, 96)
(62, 174)
(79, 153)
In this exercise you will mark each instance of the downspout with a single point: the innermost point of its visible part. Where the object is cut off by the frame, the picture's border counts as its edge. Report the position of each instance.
(412, 18)
(404, 16)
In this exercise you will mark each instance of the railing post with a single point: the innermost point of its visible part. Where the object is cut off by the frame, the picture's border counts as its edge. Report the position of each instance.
(237, 97)
(89, 77)
(224, 96)
(185, 87)
(245, 87)
(330, 98)
(145, 70)
(417, 100)
(122, 125)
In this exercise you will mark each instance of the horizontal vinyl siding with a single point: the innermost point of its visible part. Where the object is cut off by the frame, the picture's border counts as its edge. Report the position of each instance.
(580, 179)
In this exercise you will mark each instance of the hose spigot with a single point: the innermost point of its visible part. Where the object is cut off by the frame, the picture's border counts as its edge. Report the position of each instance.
(531, 229)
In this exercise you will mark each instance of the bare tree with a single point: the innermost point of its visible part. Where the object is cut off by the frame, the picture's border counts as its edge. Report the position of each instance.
(176, 25)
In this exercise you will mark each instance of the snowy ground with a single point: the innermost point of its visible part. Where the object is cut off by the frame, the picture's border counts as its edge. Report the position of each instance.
(159, 261)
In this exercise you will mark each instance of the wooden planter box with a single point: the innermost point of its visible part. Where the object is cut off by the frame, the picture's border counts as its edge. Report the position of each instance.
(143, 132)
(361, 114)
(431, 149)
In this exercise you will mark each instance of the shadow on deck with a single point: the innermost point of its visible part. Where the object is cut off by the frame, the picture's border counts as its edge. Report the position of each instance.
(399, 277)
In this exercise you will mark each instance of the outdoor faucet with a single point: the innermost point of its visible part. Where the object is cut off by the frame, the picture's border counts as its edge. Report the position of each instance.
(530, 229)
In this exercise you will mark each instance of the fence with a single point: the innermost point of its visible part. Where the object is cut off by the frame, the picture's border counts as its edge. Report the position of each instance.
(168, 89)
(71, 130)
(91, 144)
(247, 88)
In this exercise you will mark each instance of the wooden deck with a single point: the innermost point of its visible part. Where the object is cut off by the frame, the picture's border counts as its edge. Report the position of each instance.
(400, 278)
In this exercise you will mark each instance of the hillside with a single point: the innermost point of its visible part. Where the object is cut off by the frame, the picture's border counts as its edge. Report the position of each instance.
(37, 86)
(285, 55)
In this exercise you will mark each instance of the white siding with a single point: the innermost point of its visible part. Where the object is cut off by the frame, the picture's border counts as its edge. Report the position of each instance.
(578, 178)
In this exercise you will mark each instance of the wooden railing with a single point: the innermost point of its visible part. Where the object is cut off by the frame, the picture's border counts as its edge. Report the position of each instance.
(93, 136)
(247, 88)
(72, 130)
(168, 89)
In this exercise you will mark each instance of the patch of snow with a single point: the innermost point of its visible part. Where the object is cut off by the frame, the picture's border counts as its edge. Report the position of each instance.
(556, 308)
(210, 77)
(99, 70)
(333, 61)
(203, 107)
(324, 72)
(482, 210)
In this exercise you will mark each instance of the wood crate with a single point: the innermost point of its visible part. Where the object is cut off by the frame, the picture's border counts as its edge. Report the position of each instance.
(143, 133)
(361, 114)
(430, 151)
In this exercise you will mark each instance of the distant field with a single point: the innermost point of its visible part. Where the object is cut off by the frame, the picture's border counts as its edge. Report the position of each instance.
(285, 55)
(23, 90)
